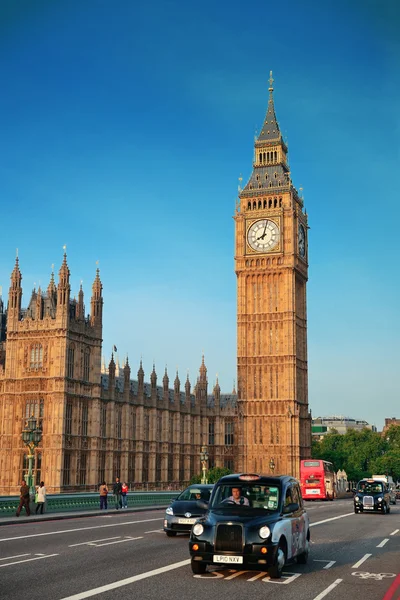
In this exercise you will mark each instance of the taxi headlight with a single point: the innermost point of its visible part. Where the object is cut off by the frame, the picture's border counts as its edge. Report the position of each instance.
(379, 499)
(198, 529)
(169, 511)
(264, 532)
(357, 499)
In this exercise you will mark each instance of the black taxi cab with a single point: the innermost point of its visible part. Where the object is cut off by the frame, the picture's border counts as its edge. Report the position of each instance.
(371, 495)
(252, 521)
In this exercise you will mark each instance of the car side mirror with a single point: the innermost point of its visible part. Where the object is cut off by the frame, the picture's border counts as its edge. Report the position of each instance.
(202, 504)
(289, 508)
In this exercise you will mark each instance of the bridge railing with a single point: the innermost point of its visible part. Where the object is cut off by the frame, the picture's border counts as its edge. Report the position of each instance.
(87, 502)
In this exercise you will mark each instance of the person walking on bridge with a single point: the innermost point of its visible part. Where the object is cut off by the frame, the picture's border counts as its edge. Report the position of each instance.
(23, 499)
(117, 490)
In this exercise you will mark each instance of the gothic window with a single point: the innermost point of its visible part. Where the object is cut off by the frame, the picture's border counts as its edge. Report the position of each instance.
(275, 202)
(270, 184)
(275, 175)
(275, 156)
(103, 422)
(36, 358)
(228, 433)
(254, 205)
(265, 204)
(146, 427)
(131, 468)
(259, 203)
(68, 418)
(260, 157)
(67, 469)
(280, 202)
(86, 364)
(211, 433)
(270, 201)
(249, 206)
(85, 418)
(82, 469)
(158, 426)
(181, 430)
(70, 360)
(117, 464)
(34, 408)
(118, 422)
(102, 467)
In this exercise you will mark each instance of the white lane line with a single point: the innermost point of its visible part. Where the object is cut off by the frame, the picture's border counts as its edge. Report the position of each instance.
(155, 531)
(94, 541)
(360, 562)
(16, 556)
(385, 541)
(328, 589)
(24, 537)
(327, 520)
(128, 581)
(17, 562)
(327, 566)
(129, 539)
(395, 531)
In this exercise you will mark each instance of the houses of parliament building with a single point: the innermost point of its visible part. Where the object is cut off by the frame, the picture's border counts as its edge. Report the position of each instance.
(98, 423)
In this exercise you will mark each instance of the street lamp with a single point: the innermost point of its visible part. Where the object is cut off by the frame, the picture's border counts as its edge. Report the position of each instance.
(272, 465)
(31, 436)
(204, 461)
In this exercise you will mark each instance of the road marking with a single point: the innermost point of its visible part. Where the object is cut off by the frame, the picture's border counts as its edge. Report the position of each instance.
(16, 556)
(327, 520)
(155, 531)
(328, 589)
(127, 539)
(383, 542)
(390, 593)
(24, 537)
(262, 574)
(17, 562)
(360, 562)
(94, 541)
(395, 531)
(128, 581)
(329, 565)
(285, 579)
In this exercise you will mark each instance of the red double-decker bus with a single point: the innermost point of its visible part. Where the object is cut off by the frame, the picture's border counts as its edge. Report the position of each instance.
(317, 480)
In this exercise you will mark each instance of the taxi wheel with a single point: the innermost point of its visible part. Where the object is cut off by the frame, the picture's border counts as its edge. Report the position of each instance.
(171, 533)
(275, 572)
(198, 568)
(356, 511)
(384, 509)
(303, 557)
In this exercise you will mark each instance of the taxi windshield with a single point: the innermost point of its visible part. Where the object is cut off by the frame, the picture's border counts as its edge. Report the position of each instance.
(368, 487)
(264, 497)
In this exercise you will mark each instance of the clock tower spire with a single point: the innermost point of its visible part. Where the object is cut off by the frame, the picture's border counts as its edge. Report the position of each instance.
(271, 264)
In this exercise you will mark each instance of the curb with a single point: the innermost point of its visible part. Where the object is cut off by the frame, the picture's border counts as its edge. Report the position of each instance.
(63, 516)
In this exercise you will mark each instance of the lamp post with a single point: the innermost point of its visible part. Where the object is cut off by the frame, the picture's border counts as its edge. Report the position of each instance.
(272, 465)
(204, 461)
(31, 436)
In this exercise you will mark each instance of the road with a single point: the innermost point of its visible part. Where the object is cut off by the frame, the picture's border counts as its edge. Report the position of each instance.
(127, 554)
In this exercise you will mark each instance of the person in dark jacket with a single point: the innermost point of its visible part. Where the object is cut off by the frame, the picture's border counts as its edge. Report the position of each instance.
(117, 490)
(23, 499)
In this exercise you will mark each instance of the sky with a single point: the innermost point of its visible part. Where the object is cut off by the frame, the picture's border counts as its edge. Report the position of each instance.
(125, 127)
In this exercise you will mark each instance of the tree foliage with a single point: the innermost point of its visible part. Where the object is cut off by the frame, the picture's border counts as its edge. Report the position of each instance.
(361, 453)
(212, 475)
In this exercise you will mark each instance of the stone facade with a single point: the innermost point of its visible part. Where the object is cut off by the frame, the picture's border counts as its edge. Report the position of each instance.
(271, 264)
(96, 425)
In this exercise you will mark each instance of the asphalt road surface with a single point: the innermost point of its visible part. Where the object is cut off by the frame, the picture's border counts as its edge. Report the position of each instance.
(127, 555)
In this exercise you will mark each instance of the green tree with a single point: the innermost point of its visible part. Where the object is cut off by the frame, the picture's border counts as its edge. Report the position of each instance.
(216, 473)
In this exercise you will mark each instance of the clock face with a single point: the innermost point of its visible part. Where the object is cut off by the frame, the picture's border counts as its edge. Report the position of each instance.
(263, 235)
(302, 241)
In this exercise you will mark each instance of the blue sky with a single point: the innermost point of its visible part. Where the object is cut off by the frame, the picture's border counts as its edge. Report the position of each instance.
(124, 129)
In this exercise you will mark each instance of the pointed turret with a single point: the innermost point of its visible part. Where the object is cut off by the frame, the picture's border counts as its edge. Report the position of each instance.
(270, 130)
(153, 377)
(203, 371)
(63, 291)
(140, 375)
(14, 296)
(127, 379)
(52, 288)
(96, 304)
(111, 376)
(80, 307)
(187, 387)
(165, 381)
(177, 384)
(39, 305)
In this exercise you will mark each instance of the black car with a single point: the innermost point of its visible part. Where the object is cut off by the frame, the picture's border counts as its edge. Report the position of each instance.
(253, 521)
(371, 495)
(184, 510)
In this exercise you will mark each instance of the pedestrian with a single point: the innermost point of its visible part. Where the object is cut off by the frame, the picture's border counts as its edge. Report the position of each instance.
(40, 497)
(103, 495)
(23, 499)
(124, 495)
(117, 489)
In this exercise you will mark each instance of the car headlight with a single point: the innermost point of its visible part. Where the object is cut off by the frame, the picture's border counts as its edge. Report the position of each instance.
(169, 511)
(356, 498)
(198, 529)
(379, 499)
(264, 532)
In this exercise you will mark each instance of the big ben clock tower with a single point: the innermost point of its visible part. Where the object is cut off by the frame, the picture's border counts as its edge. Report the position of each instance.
(271, 264)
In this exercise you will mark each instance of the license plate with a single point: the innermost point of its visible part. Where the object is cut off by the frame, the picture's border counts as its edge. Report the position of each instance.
(186, 521)
(368, 508)
(218, 558)
(313, 491)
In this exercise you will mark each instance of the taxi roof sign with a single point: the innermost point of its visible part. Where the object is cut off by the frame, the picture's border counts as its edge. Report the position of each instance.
(249, 477)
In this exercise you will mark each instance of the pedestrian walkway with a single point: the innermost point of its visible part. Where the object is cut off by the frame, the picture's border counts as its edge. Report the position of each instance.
(53, 516)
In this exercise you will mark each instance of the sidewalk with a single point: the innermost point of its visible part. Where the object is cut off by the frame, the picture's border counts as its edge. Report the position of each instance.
(59, 516)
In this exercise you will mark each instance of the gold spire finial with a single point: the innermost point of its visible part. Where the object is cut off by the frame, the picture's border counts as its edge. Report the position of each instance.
(271, 81)
(65, 248)
(97, 262)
